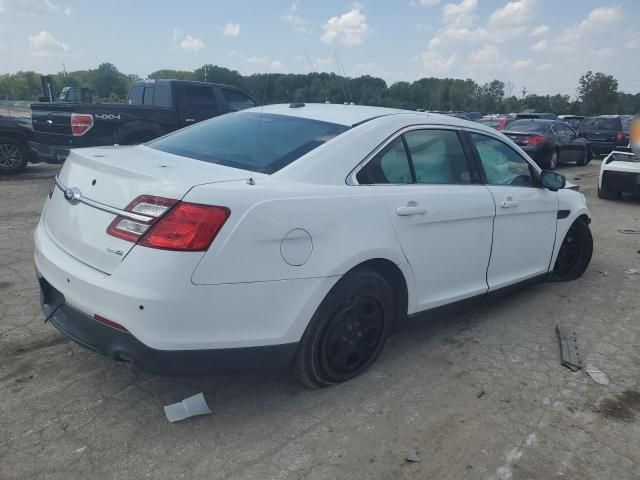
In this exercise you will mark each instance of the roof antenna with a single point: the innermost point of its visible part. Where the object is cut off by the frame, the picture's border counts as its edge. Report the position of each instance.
(344, 92)
(251, 181)
(313, 69)
(344, 74)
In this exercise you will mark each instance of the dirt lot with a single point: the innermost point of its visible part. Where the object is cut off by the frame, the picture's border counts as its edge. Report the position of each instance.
(477, 396)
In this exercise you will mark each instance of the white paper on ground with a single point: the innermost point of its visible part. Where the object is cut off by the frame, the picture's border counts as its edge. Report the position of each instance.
(189, 407)
(597, 375)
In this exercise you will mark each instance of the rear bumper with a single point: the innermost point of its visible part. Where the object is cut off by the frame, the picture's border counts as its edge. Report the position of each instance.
(49, 153)
(123, 346)
(621, 182)
(602, 148)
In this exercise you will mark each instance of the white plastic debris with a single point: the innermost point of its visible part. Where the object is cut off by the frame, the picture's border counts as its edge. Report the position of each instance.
(597, 375)
(189, 407)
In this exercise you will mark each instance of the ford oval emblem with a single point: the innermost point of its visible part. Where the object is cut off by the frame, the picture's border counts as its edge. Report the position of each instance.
(73, 195)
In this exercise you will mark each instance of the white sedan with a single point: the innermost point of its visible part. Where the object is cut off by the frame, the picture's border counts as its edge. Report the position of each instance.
(298, 236)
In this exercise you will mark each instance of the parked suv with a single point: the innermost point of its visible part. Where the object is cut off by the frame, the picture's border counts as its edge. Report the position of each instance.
(605, 133)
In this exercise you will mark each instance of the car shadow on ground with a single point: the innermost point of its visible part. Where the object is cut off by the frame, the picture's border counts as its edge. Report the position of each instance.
(35, 171)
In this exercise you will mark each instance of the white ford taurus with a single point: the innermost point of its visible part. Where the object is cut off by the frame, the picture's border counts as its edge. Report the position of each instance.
(300, 236)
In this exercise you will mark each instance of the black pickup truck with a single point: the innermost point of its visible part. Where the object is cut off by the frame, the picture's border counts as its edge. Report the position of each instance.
(154, 108)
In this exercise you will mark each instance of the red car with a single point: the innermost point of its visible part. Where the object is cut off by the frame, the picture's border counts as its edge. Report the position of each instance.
(495, 122)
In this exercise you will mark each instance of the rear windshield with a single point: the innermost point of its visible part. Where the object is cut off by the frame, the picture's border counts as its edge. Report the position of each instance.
(601, 124)
(249, 141)
(527, 126)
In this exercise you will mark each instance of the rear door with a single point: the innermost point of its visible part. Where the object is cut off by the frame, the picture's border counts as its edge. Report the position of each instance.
(570, 149)
(524, 228)
(195, 102)
(442, 216)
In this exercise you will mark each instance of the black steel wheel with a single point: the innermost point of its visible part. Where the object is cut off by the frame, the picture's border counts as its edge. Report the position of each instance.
(347, 332)
(575, 253)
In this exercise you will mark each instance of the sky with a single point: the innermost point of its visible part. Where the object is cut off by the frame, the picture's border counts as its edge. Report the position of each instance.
(541, 45)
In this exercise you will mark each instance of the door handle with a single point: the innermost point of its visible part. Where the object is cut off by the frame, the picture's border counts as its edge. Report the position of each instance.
(412, 208)
(509, 202)
(189, 119)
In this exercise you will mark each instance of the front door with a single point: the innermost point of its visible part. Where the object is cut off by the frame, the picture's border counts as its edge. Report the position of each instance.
(524, 228)
(443, 219)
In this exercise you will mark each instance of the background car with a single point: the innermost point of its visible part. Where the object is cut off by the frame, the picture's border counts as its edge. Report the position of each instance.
(298, 236)
(15, 133)
(605, 133)
(619, 173)
(499, 123)
(573, 121)
(549, 142)
(540, 115)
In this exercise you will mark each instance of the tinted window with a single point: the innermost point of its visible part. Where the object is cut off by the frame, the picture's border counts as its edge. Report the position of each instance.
(162, 95)
(391, 165)
(609, 124)
(237, 100)
(199, 95)
(501, 164)
(135, 95)
(437, 156)
(148, 95)
(527, 126)
(249, 141)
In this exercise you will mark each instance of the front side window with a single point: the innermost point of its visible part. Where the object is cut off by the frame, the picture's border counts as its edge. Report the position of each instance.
(199, 95)
(249, 141)
(148, 95)
(501, 164)
(437, 157)
(391, 165)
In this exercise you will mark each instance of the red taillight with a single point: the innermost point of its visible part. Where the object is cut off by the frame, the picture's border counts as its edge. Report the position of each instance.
(169, 224)
(534, 140)
(188, 226)
(110, 323)
(81, 123)
(620, 137)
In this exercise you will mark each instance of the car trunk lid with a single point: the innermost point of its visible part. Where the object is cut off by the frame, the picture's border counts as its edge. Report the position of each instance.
(108, 178)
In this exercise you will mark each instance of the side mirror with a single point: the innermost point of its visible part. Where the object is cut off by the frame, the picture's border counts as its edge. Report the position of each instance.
(552, 180)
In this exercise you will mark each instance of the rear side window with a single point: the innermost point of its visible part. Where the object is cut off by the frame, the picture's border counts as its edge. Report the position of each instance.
(391, 165)
(199, 95)
(147, 98)
(437, 157)
(609, 124)
(162, 95)
(501, 164)
(249, 141)
(135, 95)
(237, 100)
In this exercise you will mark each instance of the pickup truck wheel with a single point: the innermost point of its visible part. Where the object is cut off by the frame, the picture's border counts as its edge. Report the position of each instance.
(14, 156)
(347, 332)
(575, 253)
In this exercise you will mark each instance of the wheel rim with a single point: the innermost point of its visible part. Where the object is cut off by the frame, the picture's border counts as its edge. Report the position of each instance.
(353, 336)
(10, 155)
(554, 160)
(569, 254)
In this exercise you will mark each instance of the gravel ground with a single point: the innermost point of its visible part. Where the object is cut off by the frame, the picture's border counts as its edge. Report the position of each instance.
(480, 395)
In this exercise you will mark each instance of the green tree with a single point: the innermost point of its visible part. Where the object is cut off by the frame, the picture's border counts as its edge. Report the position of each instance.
(598, 93)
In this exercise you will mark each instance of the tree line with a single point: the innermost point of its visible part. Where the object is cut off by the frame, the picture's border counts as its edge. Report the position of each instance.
(596, 93)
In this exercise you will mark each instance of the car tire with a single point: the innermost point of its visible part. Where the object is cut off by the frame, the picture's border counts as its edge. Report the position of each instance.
(586, 159)
(14, 156)
(605, 194)
(575, 253)
(347, 332)
(552, 161)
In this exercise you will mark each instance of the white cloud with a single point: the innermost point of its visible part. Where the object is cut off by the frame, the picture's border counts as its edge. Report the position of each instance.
(68, 11)
(34, 7)
(276, 65)
(231, 30)
(322, 62)
(348, 29)
(513, 13)
(45, 44)
(461, 14)
(544, 66)
(434, 62)
(601, 16)
(292, 17)
(538, 31)
(191, 44)
(457, 34)
(487, 57)
(539, 46)
(424, 3)
(525, 63)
